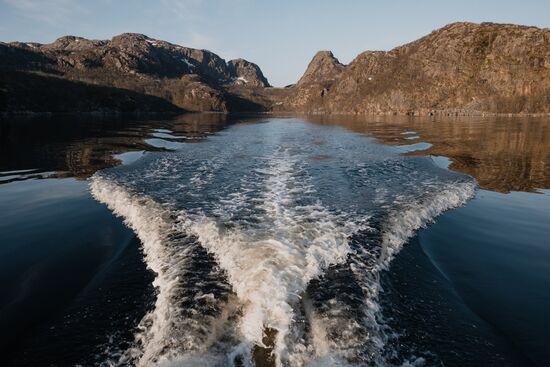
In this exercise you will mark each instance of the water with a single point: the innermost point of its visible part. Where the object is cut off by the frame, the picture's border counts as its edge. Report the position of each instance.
(274, 241)
(503, 275)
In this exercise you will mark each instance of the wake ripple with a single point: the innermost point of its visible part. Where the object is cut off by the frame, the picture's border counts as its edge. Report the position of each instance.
(252, 247)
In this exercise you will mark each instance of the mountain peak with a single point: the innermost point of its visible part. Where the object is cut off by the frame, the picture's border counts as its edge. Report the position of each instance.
(325, 55)
(72, 43)
(463, 67)
(132, 36)
(246, 72)
(324, 66)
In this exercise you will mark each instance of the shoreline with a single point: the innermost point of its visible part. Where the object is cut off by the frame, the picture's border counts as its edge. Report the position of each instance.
(442, 113)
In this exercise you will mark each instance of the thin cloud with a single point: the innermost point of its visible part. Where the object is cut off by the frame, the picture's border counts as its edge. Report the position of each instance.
(47, 11)
(199, 10)
(199, 40)
(189, 10)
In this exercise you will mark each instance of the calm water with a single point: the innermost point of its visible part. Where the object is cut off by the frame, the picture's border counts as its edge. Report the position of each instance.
(275, 241)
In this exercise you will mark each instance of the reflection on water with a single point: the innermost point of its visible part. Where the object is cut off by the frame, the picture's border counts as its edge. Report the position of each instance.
(503, 153)
(72, 278)
(492, 254)
(495, 252)
(78, 146)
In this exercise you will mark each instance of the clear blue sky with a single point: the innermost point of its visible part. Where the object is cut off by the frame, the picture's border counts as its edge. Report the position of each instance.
(279, 35)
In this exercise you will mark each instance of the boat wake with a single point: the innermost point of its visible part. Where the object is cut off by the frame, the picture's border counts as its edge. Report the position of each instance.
(265, 254)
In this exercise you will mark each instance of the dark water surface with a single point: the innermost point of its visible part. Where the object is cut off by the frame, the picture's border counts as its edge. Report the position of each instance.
(262, 240)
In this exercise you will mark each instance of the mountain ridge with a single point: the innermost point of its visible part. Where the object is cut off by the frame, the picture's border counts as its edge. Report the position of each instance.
(461, 68)
(187, 79)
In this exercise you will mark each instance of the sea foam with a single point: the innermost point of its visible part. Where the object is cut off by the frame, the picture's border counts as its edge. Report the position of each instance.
(244, 238)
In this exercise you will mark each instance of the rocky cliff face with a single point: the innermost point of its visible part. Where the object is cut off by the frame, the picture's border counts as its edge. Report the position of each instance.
(246, 73)
(138, 54)
(187, 78)
(462, 68)
(323, 68)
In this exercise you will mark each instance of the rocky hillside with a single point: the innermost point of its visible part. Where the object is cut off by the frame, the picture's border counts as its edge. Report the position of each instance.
(323, 68)
(130, 72)
(462, 68)
(246, 73)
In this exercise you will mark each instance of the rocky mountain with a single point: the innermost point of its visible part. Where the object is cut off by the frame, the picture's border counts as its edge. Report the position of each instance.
(462, 68)
(158, 75)
(246, 73)
(323, 68)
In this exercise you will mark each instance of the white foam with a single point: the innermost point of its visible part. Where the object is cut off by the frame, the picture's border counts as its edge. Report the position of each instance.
(370, 334)
(163, 333)
(270, 266)
(410, 218)
(269, 261)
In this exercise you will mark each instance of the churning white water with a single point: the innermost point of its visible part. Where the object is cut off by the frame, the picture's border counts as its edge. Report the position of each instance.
(272, 236)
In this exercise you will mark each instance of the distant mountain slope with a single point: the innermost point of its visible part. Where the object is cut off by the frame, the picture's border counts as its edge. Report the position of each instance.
(461, 68)
(187, 78)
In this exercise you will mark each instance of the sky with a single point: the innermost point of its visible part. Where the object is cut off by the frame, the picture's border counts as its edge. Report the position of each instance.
(281, 36)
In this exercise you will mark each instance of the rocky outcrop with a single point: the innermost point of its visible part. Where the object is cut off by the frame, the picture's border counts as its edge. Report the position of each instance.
(137, 54)
(309, 92)
(247, 73)
(323, 68)
(462, 68)
(188, 79)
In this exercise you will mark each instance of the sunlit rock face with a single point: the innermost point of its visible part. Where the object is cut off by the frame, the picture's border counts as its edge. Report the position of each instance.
(463, 68)
(165, 76)
(247, 73)
(460, 69)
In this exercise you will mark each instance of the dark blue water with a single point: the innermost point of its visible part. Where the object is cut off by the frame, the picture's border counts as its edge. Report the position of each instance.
(494, 251)
(58, 249)
(273, 241)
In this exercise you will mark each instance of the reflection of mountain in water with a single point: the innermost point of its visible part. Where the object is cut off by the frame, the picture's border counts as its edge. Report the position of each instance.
(78, 146)
(503, 153)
